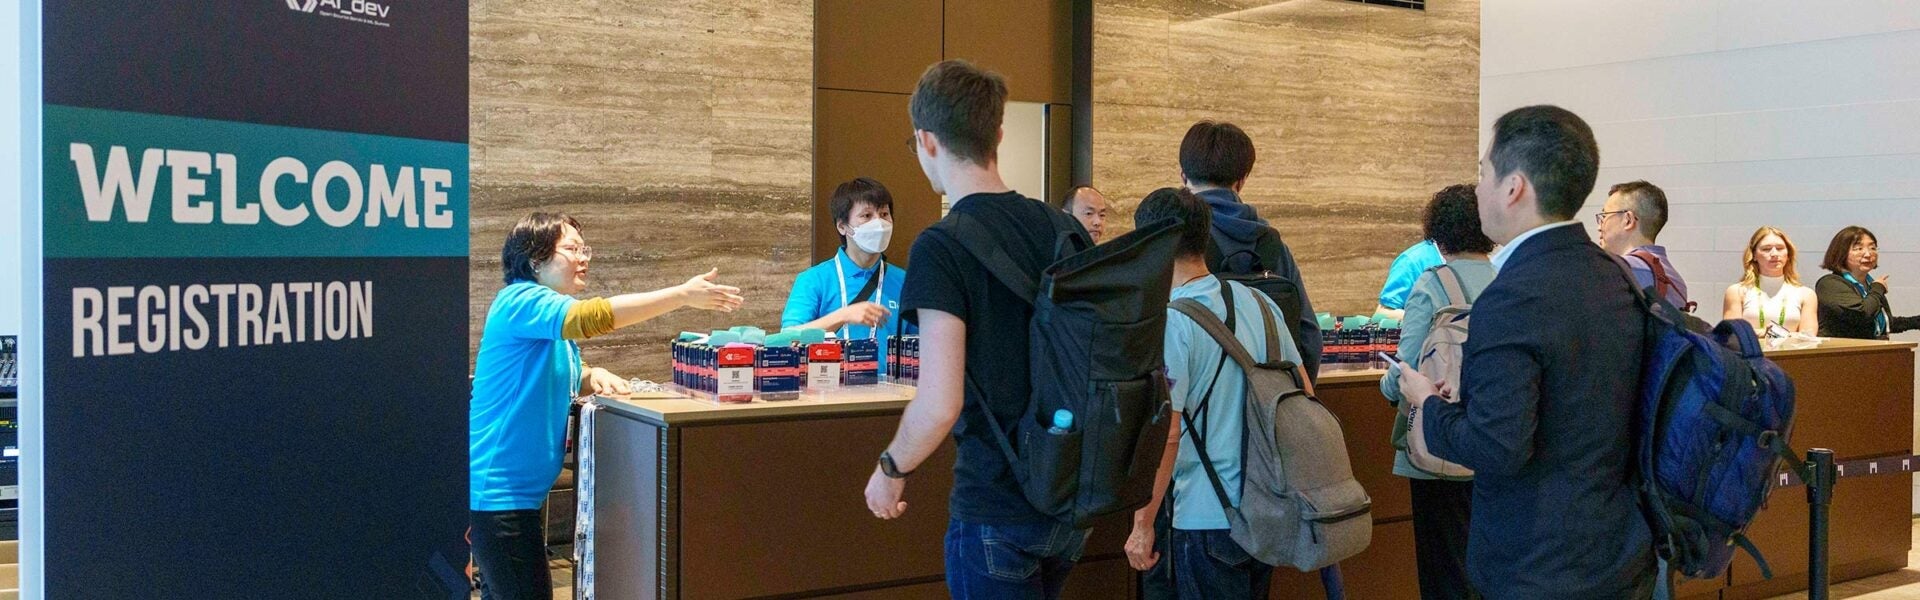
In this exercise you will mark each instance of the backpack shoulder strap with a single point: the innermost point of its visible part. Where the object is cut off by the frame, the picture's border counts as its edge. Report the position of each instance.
(873, 283)
(986, 247)
(1661, 280)
(1201, 314)
(1217, 329)
(1450, 281)
(1273, 334)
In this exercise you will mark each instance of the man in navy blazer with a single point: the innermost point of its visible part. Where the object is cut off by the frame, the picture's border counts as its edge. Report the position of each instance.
(1549, 382)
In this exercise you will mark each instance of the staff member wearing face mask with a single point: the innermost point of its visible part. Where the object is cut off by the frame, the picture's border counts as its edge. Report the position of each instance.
(855, 293)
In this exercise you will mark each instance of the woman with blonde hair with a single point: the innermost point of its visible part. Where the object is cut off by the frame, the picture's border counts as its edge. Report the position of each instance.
(1769, 294)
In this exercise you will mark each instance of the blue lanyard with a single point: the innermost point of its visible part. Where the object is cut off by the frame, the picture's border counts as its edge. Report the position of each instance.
(1879, 318)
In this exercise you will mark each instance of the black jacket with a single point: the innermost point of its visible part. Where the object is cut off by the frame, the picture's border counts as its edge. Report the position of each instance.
(1550, 380)
(1844, 313)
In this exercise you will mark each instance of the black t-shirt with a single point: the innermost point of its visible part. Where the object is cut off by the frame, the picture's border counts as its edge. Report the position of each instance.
(945, 277)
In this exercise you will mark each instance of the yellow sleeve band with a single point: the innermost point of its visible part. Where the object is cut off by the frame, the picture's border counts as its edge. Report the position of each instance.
(587, 318)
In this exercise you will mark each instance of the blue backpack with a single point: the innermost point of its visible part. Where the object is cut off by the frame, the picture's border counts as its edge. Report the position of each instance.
(1710, 432)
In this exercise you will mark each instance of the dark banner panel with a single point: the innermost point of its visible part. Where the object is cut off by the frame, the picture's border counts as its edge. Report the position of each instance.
(396, 67)
(311, 462)
(253, 226)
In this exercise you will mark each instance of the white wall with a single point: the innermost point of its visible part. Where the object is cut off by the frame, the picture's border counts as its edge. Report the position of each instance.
(1023, 148)
(1800, 114)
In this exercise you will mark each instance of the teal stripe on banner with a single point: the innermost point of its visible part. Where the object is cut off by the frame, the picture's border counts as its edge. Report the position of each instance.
(132, 185)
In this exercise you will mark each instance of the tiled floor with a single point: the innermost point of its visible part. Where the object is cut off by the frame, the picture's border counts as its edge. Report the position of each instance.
(1898, 585)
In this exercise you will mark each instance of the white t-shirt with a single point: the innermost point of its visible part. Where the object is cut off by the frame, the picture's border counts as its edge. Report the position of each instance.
(1774, 302)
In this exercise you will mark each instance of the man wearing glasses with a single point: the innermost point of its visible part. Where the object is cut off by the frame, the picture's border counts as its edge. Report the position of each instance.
(1628, 223)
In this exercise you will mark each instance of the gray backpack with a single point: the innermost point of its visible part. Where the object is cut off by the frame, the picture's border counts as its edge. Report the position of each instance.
(1299, 503)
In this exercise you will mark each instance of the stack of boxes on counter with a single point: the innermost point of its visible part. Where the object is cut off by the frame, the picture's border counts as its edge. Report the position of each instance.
(1355, 343)
(903, 359)
(743, 364)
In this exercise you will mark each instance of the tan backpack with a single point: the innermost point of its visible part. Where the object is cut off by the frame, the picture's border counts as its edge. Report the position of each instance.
(1440, 359)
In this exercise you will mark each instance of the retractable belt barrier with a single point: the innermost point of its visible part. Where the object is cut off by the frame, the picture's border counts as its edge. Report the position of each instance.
(1864, 467)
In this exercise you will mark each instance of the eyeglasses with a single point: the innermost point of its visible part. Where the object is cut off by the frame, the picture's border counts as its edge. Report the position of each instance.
(582, 252)
(913, 142)
(1600, 218)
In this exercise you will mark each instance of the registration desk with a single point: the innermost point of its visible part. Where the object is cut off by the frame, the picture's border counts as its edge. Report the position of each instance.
(764, 500)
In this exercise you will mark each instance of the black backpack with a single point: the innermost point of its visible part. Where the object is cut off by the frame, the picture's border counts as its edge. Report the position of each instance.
(1099, 318)
(1241, 263)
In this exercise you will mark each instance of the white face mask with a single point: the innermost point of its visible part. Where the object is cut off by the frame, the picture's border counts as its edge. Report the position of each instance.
(872, 236)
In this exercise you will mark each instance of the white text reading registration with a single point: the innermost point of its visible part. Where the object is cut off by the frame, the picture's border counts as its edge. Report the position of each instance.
(122, 320)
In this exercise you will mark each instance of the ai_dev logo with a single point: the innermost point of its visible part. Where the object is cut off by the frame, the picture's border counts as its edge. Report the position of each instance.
(368, 12)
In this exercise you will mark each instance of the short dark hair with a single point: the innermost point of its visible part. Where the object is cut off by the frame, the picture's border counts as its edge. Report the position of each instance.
(1195, 216)
(962, 105)
(1065, 203)
(1649, 205)
(1452, 221)
(532, 240)
(856, 192)
(1555, 148)
(1836, 258)
(1216, 153)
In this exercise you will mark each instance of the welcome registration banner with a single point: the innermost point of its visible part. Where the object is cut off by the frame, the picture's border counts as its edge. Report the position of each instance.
(253, 300)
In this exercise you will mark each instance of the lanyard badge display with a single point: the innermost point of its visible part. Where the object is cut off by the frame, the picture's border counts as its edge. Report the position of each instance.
(874, 288)
(1782, 321)
(1865, 289)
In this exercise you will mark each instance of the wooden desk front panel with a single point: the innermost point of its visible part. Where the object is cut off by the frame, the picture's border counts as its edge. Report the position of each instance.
(777, 508)
(1860, 405)
(1385, 570)
(1367, 422)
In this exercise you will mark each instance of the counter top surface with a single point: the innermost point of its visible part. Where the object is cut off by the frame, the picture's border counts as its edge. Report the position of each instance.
(1843, 345)
(682, 409)
(1827, 346)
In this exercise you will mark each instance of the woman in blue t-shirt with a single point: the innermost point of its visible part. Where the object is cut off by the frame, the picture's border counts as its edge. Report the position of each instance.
(525, 378)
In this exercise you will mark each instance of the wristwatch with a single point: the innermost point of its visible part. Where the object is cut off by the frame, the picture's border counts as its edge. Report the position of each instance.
(889, 469)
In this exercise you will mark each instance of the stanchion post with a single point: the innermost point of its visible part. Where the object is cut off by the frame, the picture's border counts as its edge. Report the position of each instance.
(1819, 475)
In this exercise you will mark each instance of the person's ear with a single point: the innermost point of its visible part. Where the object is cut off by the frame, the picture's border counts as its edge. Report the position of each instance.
(929, 143)
(1514, 184)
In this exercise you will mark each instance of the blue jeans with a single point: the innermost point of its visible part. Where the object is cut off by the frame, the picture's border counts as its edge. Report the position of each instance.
(1208, 564)
(1026, 560)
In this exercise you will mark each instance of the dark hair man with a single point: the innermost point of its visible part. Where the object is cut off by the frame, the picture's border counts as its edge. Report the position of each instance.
(974, 349)
(1628, 224)
(856, 291)
(1550, 443)
(1088, 206)
(1215, 160)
